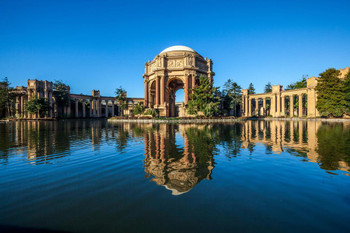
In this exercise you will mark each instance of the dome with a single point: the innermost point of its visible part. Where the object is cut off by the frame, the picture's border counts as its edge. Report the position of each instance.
(178, 48)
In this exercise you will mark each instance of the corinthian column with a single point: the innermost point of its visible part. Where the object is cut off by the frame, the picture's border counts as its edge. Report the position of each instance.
(157, 91)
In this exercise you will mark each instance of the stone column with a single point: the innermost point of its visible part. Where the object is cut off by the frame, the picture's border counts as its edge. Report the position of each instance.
(51, 104)
(22, 106)
(98, 108)
(84, 109)
(106, 108)
(157, 91)
(264, 106)
(193, 81)
(256, 106)
(249, 107)
(68, 109)
(278, 105)
(76, 108)
(91, 104)
(283, 106)
(162, 89)
(112, 108)
(186, 89)
(300, 105)
(273, 106)
(146, 93)
(291, 105)
(17, 106)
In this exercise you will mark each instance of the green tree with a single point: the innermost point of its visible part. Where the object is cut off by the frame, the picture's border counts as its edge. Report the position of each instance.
(6, 98)
(330, 94)
(39, 106)
(297, 85)
(251, 89)
(347, 93)
(232, 96)
(139, 108)
(268, 88)
(61, 91)
(204, 98)
(121, 98)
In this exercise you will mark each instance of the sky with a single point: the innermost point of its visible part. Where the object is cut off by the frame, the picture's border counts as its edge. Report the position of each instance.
(104, 44)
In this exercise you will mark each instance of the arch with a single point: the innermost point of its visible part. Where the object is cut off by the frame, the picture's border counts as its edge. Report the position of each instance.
(172, 86)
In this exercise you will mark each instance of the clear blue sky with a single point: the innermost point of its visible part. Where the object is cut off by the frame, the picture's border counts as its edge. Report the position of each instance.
(105, 44)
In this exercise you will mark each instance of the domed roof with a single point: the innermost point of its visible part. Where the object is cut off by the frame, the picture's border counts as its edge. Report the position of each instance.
(178, 48)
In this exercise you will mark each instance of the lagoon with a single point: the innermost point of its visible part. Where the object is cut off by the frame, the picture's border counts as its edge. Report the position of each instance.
(251, 176)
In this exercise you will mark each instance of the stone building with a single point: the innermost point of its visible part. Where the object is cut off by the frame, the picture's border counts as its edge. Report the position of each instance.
(78, 106)
(281, 103)
(177, 67)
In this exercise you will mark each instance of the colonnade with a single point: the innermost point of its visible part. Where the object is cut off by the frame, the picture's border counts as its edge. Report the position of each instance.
(281, 103)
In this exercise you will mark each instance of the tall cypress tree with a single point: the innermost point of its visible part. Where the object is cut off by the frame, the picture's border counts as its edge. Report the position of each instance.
(251, 89)
(330, 94)
(347, 93)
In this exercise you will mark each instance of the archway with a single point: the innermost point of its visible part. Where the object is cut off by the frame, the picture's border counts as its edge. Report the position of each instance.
(152, 94)
(174, 86)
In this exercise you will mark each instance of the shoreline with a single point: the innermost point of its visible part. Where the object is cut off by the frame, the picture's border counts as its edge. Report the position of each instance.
(179, 120)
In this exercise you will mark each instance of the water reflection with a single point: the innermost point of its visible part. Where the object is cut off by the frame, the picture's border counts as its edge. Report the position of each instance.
(179, 156)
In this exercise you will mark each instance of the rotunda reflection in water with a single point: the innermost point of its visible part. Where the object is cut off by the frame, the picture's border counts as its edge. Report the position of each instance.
(177, 168)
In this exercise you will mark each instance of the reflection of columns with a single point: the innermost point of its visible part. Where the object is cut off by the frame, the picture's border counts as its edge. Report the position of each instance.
(112, 108)
(300, 105)
(162, 89)
(84, 109)
(76, 108)
(157, 90)
(146, 94)
(291, 106)
(292, 131)
(300, 132)
(283, 106)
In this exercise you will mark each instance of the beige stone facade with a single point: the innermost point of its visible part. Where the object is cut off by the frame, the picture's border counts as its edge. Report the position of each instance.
(177, 67)
(280, 103)
(79, 106)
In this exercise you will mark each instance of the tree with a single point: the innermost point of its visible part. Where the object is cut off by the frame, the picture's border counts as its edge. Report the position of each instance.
(121, 98)
(204, 98)
(61, 93)
(39, 106)
(6, 98)
(251, 89)
(139, 108)
(330, 94)
(297, 85)
(347, 93)
(268, 88)
(232, 96)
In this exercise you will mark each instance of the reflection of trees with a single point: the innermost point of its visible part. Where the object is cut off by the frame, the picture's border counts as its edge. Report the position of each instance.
(333, 146)
(230, 138)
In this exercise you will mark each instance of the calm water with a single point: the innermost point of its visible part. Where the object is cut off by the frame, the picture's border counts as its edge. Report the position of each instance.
(256, 176)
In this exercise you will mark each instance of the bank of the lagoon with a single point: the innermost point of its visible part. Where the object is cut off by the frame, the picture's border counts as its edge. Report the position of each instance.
(218, 119)
(246, 176)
